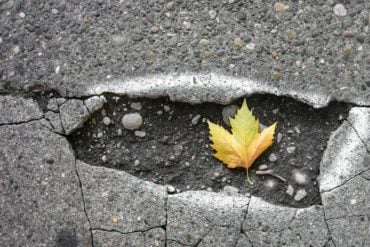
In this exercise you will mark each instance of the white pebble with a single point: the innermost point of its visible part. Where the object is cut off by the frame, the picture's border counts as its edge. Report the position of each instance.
(279, 137)
(132, 121)
(272, 157)
(300, 195)
(290, 150)
(195, 119)
(263, 167)
(340, 10)
(212, 14)
(290, 190)
(299, 177)
(136, 106)
(119, 132)
(270, 184)
(140, 133)
(104, 158)
(250, 46)
(166, 108)
(171, 189)
(107, 121)
(99, 135)
(275, 111)
(137, 162)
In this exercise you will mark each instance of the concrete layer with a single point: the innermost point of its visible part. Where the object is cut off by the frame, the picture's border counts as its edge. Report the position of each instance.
(15, 109)
(201, 218)
(271, 225)
(117, 201)
(76, 46)
(40, 194)
(347, 154)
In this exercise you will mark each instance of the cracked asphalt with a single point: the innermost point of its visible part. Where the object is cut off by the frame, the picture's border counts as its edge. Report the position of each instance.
(192, 51)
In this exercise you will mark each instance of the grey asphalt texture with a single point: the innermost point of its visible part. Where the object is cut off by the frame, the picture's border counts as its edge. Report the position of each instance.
(192, 51)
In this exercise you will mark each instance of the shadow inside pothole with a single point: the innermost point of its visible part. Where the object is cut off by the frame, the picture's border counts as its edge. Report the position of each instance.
(172, 145)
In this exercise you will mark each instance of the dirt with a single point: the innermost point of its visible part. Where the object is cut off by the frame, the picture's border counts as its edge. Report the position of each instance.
(178, 153)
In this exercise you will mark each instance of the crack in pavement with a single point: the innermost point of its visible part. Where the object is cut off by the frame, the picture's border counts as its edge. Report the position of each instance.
(22, 122)
(327, 226)
(346, 181)
(358, 135)
(124, 233)
(84, 204)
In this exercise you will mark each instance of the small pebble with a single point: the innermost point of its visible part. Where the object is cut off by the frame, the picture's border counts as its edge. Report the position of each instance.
(99, 135)
(139, 133)
(340, 10)
(106, 121)
(272, 157)
(279, 137)
(136, 106)
(300, 195)
(263, 167)
(229, 112)
(170, 6)
(212, 14)
(166, 108)
(250, 46)
(270, 184)
(132, 121)
(154, 29)
(290, 150)
(171, 189)
(280, 7)
(103, 113)
(195, 119)
(119, 132)
(104, 158)
(137, 162)
(160, 112)
(16, 50)
(290, 190)
(187, 24)
(204, 42)
(299, 177)
(275, 111)
(209, 189)
(238, 42)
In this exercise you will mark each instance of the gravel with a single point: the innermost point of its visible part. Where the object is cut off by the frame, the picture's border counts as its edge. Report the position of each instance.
(340, 10)
(195, 119)
(300, 195)
(137, 106)
(107, 121)
(132, 121)
(272, 157)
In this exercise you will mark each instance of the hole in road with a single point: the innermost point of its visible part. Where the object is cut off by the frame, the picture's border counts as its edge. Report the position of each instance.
(176, 152)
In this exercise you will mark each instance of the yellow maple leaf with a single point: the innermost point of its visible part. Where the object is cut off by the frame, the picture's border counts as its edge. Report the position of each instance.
(245, 144)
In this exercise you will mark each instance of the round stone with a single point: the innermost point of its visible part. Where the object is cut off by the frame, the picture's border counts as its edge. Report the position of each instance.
(212, 14)
(107, 121)
(132, 121)
(340, 10)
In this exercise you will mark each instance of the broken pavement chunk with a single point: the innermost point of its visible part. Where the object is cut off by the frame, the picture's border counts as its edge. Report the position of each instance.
(73, 114)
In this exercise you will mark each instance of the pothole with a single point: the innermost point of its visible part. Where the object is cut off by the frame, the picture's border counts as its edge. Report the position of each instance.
(175, 149)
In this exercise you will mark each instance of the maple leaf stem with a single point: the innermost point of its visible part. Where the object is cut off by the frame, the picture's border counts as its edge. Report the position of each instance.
(271, 173)
(248, 179)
